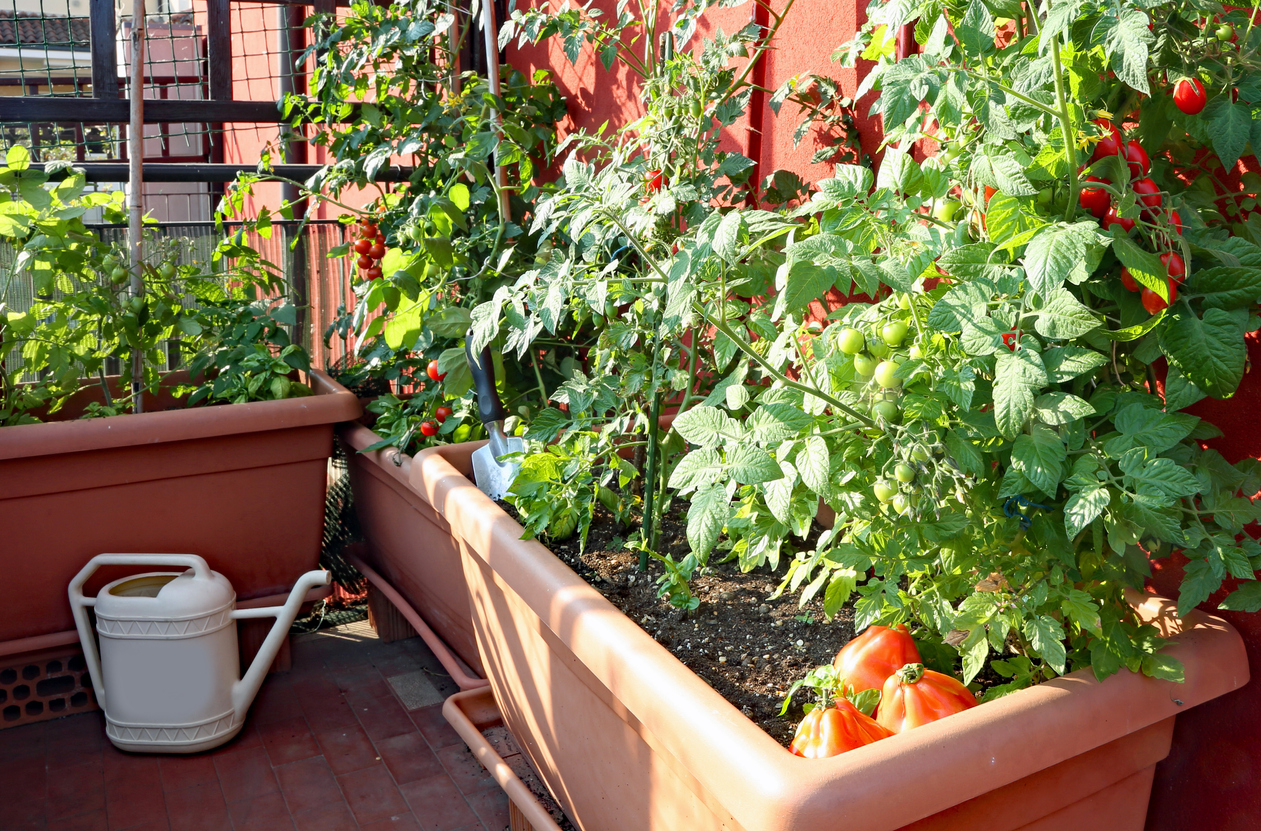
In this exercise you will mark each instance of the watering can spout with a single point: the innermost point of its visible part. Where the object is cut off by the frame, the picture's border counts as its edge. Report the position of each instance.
(243, 691)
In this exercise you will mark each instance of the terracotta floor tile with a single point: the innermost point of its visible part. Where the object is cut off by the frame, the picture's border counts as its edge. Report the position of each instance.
(329, 714)
(156, 825)
(409, 758)
(372, 688)
(383, 718)
(136, 801)
(76, 789)
(437, 804)
(198, 808)
(276, 701)
(491, 807)
(23, 742)
(65, 756)
(467, 773)
(331, 817)
(403, 822)
(434, 727)
(348, 749)
(308, 783)
(179, 772)
(262, 813)
(26, 779)
(245, 773)
(371, 794)
(288, 740)
(118, 764)
(90, 821)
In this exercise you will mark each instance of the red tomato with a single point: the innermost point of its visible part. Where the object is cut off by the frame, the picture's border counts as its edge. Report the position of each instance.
(376, 251)
(989, 192)
(368, 230)
(831, 731)
(654, 181)
(1136, 156)
(1189, 96)
(1011, 339)
(1110, 144)
(362, 247)
(365, 261)
(1095, 201)
(1176, 222)
(1111, 218)
(1148, 194)
(428, 428)
(1174, 265)
(914, 696)
(380, 238)
(442, 414)
(1128, 280)
(865, 662)
(374, 273)
(1152, 301)
(432, 371)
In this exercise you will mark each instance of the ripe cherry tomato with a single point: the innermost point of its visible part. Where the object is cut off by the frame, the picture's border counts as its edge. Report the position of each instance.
(1128, 280)
(653, 184)
(914, 696)
(869, 659)
(831, 731)
(432, 371)
(989, 192)
(1174, 265)
(1110, 144)
(368, 230)
(1152, 301)
(362, 247)
(380, 238)
(1010, 339)
(442, 414)
(365, 261)
(1148, 194)
(1095, 201)
(1189, 96)
(1136, 156)
(376, 251)
(428, 428)
(1111, 218)
(374, 273)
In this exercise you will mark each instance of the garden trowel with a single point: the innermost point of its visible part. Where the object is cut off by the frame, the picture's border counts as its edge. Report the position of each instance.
(492, 476)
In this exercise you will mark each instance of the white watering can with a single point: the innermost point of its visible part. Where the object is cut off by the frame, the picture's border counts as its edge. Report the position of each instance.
(168, 674)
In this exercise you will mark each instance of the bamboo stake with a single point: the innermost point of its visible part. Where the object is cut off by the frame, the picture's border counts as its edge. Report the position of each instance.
(492, 72)
(135, 184)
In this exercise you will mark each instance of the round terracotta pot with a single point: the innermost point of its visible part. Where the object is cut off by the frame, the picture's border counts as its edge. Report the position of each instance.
(628, 739)
(241, 485)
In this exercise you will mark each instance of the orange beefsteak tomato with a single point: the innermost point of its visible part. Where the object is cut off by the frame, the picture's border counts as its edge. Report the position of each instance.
(865, 662)
(913, 696)
(831, 731)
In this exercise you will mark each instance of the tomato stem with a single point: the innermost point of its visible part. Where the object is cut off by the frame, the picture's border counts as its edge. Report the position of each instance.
(1066, 128)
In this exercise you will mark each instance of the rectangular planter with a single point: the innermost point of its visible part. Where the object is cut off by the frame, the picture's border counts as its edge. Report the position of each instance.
(629, 739)
(408, 543)
(241, 485)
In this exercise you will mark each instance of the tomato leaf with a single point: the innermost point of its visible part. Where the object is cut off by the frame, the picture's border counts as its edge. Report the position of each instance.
(1016, 377)
(1062, 253)
(1210, 352)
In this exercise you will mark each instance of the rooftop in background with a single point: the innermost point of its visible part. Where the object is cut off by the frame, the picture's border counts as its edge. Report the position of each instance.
(352, 737)
(48, 31)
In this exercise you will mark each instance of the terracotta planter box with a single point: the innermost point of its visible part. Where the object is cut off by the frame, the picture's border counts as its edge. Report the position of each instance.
(628, 738)
(408, 543)
(242, 485)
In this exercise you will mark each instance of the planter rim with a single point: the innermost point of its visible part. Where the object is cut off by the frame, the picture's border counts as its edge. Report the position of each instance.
(759, 781)
(331, 403)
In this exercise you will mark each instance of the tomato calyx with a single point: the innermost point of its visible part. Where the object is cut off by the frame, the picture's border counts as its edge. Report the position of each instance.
(1110, 144)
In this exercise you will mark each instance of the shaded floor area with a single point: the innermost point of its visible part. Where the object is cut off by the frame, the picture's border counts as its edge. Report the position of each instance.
(351, 738)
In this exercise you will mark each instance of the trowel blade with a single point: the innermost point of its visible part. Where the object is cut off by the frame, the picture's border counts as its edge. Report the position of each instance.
(493, 477)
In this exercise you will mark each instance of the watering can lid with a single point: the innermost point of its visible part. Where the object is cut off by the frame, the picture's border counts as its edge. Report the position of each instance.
(166, 595)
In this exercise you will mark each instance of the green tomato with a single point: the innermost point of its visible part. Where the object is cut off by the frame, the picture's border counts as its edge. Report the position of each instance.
(1045, 196)
(118, 276)
(136, 304)
(885, 375)
(920, 454)
(1225, 32)
(886, 410)
(884, 490)
(904, 473)
(111, 262)
(894, 333)
(916, 352)
(945, 210)
(864, 364)
(901, 503)
(904, 301)
(166, 270)
(851, 341)
(877, 346)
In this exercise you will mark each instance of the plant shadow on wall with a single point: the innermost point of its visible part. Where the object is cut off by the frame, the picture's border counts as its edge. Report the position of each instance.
(230, 328)
(386, 91)
(992, 435)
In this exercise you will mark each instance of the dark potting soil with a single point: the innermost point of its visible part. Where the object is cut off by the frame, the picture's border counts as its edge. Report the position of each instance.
(746, 646)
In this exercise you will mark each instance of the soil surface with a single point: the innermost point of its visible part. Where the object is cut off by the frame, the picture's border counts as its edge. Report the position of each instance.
(749, 648)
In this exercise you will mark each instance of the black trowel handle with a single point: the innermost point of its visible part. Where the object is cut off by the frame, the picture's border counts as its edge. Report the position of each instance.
(489, 407)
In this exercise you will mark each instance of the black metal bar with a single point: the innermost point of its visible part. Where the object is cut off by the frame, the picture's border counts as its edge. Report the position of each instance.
(48, 108)
(219, 48)
(104, 50)
(200, 172)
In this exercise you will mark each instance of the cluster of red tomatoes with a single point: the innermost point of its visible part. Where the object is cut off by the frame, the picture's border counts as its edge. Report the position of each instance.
(1098, 202)
(429, 428)
(369, 248)
(886, 660)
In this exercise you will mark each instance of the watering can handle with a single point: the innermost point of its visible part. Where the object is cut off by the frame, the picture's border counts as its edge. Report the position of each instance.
(79, 603)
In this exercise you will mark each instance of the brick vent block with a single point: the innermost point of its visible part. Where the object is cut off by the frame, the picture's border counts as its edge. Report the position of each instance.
(39, 686)
(386, 619)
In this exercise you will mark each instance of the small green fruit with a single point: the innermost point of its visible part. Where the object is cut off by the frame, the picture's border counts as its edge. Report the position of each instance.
(885, 376)
(851, 341)
(904, 301)
(945, 210)
(919, 454)
(166, 270)
(864, 364)
(884, 490)
(886, 410)
(916, 352)
(877, 346)
(904, 473)
(1225, 32)
(894, 333)
(901, 503)
(118, 276)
